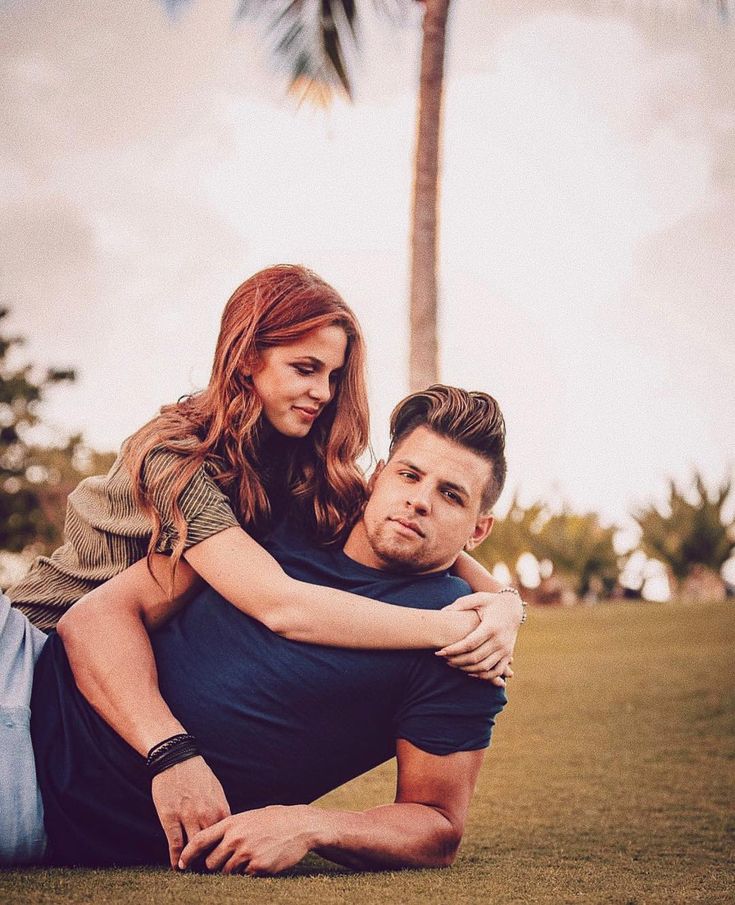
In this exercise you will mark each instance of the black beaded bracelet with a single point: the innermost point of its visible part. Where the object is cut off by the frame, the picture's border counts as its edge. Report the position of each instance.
(171, 751)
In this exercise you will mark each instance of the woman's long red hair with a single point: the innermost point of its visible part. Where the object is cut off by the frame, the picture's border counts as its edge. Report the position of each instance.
(222, 424)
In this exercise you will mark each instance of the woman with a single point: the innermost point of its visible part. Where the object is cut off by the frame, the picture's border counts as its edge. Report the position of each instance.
(279, 426)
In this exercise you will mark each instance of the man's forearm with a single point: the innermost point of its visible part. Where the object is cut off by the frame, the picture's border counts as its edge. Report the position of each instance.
(390, 836)
(112, 660)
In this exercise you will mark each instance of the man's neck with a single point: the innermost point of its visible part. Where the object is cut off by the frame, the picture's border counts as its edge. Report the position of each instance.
(358, 548)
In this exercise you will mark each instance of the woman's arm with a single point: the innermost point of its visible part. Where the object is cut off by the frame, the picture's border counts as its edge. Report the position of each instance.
(493, 641)
(475, 574)
(250, 578)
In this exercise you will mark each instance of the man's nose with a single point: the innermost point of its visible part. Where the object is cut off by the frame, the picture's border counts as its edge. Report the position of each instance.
(419, 500)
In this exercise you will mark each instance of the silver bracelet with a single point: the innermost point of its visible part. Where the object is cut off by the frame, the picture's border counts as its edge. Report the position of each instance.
(515, 591)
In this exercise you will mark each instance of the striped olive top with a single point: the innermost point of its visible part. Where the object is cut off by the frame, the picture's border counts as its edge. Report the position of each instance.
(106, 531)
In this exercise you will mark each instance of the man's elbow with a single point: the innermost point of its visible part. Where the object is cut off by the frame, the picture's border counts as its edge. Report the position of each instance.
(445, 853)
(442, 845)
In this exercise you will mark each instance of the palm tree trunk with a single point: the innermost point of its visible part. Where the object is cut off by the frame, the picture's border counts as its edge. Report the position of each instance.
(423, 358)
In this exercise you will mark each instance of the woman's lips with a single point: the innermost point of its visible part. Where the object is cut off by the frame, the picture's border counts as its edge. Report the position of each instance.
(306, 412)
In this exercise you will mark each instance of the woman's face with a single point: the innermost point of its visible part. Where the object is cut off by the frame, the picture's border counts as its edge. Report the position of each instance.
(295, 382)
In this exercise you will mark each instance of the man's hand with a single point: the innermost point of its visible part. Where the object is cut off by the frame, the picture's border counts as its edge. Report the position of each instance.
(188, 798)
(487, 652)
(264, 841)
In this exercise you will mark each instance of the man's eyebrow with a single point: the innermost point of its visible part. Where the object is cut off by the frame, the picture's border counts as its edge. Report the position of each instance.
(445, 484)
(457, 488)
(410, 465)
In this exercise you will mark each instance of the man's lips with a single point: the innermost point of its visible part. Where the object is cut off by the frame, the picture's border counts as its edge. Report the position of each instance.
(412, 526)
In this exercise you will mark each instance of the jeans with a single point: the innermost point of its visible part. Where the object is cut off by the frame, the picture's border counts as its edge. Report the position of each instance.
(22, 836)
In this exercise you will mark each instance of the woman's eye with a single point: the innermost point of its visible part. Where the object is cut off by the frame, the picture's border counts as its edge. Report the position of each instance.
(304, 371)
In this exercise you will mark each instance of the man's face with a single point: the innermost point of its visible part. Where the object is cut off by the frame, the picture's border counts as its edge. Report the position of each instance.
(424, 506)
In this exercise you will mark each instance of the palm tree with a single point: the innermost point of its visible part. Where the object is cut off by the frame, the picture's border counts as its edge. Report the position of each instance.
(691, 532)
(423, 342)
(313, 41)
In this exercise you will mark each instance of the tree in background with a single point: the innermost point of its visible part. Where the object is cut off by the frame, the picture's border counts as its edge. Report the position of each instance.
(579, 547)
(34, 480)
(313, 40)
(22, 519)
(691, 533)
(511, 537)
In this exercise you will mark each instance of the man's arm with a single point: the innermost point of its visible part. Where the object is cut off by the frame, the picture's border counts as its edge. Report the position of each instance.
(105, 636)
(423, 828)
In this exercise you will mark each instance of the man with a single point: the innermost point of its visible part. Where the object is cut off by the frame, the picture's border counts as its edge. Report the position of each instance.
(280, 723)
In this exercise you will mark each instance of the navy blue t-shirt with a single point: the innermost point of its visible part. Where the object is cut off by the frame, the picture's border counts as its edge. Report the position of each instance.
(279, 722)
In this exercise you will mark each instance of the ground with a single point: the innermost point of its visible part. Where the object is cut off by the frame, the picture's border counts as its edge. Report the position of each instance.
(610, 780)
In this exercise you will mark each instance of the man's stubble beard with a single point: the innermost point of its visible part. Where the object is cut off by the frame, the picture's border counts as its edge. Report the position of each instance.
(398, 557)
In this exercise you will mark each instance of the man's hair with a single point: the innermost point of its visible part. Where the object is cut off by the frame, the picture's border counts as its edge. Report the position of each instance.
(469, 418)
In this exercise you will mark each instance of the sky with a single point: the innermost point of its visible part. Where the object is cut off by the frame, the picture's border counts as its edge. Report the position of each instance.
(149, 165)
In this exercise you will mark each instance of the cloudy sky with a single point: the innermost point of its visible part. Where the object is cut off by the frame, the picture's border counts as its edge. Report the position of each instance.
(588, 216)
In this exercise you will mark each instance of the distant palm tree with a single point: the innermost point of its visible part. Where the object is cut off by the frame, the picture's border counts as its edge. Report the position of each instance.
(693, 530)
(314, 41)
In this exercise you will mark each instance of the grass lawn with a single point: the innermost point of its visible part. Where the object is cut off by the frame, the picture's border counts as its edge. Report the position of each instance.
(610, 779)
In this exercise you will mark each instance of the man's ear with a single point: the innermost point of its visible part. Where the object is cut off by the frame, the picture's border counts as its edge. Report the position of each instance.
(374, 476)
(481, 530)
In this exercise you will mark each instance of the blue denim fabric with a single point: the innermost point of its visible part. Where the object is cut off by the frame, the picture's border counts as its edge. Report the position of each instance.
(22, 836)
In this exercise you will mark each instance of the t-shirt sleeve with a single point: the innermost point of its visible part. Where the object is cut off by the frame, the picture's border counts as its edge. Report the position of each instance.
(444, 711)
(205, 507)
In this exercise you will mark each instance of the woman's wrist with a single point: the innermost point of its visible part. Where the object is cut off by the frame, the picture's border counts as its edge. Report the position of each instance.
(455, 625)
(517, 603)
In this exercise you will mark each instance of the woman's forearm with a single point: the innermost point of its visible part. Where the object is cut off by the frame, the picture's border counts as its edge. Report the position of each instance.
(475, 574)
(251, 579)
(320, 615)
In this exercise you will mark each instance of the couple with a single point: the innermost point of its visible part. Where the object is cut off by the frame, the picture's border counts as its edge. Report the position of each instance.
(272, 722)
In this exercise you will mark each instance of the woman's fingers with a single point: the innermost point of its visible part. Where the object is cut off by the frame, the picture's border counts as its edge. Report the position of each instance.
(498, 675)
(480, 654)
(478, 636)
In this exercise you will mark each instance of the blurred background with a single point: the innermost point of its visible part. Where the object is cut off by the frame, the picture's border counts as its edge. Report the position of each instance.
(153, 155)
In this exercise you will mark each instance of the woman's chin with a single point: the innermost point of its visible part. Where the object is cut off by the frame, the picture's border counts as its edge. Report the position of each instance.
(293, 430)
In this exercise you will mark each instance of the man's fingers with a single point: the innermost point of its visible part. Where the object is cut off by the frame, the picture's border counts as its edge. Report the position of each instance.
(175, 838)
(201, 842)
(234, 864)
(218, 858)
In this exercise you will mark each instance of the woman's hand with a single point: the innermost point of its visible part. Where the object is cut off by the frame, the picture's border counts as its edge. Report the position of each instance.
(188, 798)
(487, 651)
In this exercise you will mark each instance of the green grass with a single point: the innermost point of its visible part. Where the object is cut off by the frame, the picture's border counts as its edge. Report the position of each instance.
(610, 779)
